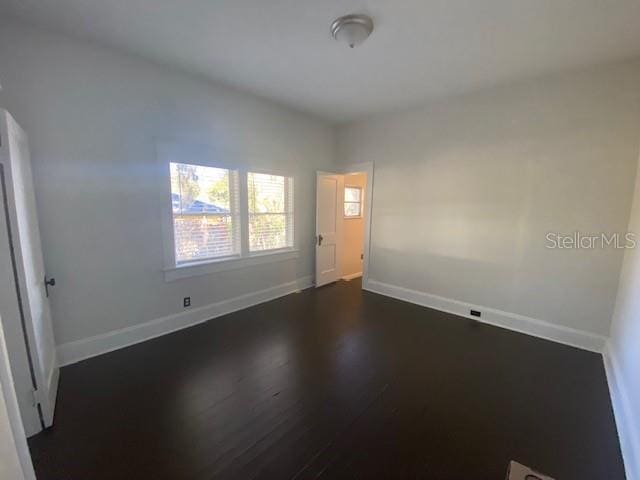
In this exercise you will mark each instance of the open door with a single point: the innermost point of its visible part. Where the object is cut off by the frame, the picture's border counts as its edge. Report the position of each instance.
(24, 304)
(329, 190)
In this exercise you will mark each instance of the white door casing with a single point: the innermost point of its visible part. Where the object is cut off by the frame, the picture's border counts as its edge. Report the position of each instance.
(329, 191)
(21, 235)
(15, 459)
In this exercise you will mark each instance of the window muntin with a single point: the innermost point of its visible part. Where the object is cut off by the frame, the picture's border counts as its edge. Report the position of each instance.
(270, 211)
(352, 202)
(206, 216)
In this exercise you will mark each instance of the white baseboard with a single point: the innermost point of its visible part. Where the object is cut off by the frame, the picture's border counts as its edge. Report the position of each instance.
(351, 276)
(511, 321)
(78, 350)
(628, 426)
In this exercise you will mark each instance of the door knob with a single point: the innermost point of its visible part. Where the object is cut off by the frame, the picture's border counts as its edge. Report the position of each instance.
(319, 240)
(47, 283)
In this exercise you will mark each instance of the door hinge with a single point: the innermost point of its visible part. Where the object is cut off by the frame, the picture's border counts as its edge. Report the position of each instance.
(36, 397)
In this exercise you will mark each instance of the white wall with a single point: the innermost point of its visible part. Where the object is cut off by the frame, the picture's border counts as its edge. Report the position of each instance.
(93, 117)
(623, 352)
(465, 191)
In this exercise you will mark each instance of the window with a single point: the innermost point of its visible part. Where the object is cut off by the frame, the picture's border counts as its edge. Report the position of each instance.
(352, 202)
(270, 204)
(222, 219)
(206, 215)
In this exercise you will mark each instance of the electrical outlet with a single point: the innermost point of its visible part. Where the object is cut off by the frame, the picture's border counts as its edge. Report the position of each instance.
(475, 313)
(186, 302)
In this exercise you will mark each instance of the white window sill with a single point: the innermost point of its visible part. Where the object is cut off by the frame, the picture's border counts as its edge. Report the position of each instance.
(212, 266)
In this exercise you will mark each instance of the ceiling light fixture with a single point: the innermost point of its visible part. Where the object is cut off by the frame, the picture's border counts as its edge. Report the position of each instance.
(352, 29)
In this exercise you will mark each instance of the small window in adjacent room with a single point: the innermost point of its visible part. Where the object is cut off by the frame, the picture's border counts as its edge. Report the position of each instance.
(206, 218)
(352, 202)
(270, 211)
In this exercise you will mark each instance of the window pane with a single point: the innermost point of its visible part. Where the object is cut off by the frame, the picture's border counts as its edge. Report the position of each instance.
(197, 189)
(266, 193)
(204, 214)
(267, 231)
(270, 211)
(351, 209)
(202, 237)
(352, 194)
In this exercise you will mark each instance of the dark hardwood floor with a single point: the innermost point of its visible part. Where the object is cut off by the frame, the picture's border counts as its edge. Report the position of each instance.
(333, 383)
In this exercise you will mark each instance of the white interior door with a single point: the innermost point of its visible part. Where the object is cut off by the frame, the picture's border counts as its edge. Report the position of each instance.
(329, 191)
(10, 316)
(26, 315)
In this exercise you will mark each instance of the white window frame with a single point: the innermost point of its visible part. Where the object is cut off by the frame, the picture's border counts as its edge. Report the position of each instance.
(360, 203)
(207, 157)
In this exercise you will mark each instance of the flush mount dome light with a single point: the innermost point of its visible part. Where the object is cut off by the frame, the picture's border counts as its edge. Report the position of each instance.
(352, 29)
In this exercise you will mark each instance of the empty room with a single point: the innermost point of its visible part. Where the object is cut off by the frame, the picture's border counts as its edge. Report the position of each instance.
(246, 239)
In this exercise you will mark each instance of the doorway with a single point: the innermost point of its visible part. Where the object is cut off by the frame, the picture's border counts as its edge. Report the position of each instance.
(355, 185)
(343, 223)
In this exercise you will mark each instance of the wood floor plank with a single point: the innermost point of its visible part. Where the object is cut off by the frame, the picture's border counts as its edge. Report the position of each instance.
(333, 383)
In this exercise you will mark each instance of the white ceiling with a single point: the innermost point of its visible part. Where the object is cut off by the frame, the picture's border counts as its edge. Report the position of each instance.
(420, 50)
